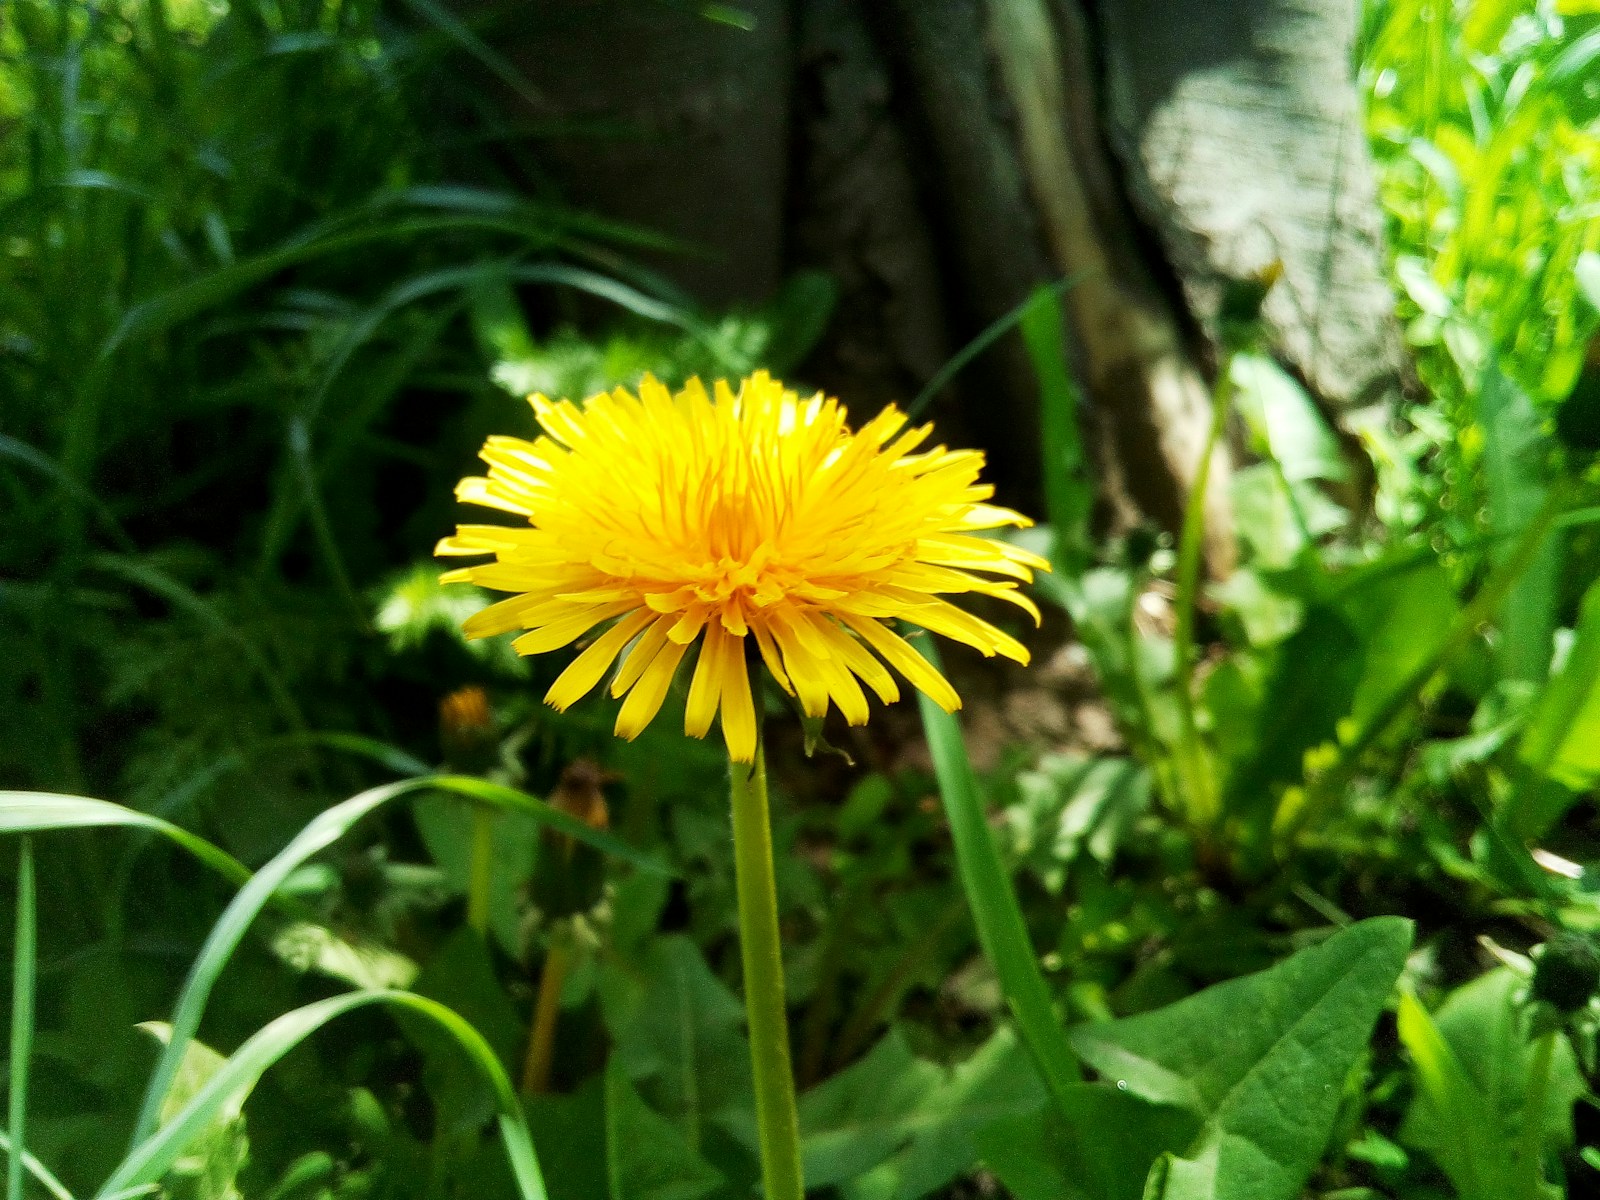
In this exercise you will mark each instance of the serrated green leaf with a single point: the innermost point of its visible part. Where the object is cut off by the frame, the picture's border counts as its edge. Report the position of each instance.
(1102, 1149)
(1261, 1060)
(1472, 1063)
(679, 1033)
(646, 1156)
(938, 1134)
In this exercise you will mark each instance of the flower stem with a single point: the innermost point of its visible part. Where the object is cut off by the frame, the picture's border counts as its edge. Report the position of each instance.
(776, 1119)
(480, 882)
(547, 1010)
(1194, 768)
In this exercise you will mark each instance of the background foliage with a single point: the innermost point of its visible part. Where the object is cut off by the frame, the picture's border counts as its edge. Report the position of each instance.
(271, 270)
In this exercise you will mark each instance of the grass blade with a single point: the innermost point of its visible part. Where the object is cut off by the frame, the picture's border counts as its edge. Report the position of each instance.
(24, 962)
(994, 905)
(447, 23)
(38, 1170)
(153, 1155)
(501, 796)
(982, 342)
(1068, 494)
(39, 812)
(317, 836)
(391, 758)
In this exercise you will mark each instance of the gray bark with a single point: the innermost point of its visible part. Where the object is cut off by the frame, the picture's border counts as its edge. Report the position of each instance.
(1239, 128)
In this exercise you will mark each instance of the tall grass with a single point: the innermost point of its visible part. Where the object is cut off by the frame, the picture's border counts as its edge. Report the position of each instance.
(241, 244)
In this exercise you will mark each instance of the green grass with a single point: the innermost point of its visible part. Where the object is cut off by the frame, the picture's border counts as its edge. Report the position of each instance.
(260, 301)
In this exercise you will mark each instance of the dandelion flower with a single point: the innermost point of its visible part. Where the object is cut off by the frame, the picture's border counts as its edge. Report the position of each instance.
(727, 519)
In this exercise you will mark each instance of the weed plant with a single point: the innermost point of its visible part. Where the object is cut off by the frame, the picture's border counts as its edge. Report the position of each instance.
(1322, 925)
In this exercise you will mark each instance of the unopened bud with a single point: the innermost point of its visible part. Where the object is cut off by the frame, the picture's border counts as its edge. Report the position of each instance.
(1567, 972)
(467, 733)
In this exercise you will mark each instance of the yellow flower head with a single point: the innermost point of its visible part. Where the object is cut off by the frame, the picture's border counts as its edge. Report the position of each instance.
(731, 518)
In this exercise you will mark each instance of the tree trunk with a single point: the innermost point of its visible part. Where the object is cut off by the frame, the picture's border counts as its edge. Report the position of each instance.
(941, 159)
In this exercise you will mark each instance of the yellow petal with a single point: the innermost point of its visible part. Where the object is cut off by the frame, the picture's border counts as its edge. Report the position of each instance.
(899, 655)
(769, 655)
(705, 689)
(854, 656)
(644, 700)
(803, 667)
(641, 656)
(584, 671)
(569, 629)
(739, 728)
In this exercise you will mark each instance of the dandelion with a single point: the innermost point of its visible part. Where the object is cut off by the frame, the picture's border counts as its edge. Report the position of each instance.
(756, 524)
(761, 527)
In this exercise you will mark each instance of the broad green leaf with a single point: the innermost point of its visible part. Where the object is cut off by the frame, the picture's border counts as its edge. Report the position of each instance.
(1516, 478)
(1269, 526)
(859, 1117)
(446, 826)
(1265, 615)
(1401, 612)
(1070, 804)
(1308, 690)
(679, 1033)
(1471, 1154)
(1472, 1061)
(1102, 1149)
(938, 1135)
(1261, 1060)
(1283, 420)
(570, 1131)
(646, 1156)
(1562, 739)
(1279, 518)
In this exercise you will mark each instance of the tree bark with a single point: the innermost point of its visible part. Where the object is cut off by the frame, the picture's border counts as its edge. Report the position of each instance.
(1239, 129)
(942, 158)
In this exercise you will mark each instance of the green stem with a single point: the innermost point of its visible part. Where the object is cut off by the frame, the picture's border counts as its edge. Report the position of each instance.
(1199, 788)
(1326, 787)
(480, 883)
(1533, 1114)
(24, 962)
(777, 1121)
